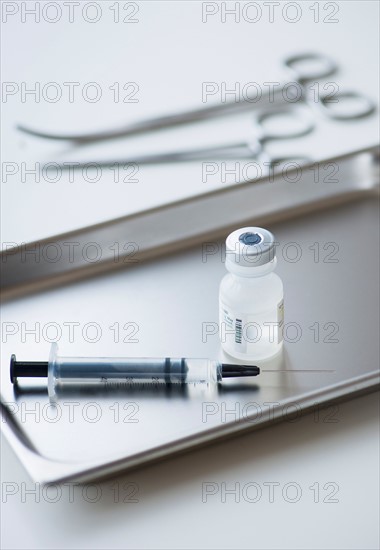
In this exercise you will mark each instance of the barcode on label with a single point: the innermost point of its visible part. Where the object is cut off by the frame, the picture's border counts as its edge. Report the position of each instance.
(280, 321)
(238, 331)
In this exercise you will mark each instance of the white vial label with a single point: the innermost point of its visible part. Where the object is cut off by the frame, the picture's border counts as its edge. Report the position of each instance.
(250, 334)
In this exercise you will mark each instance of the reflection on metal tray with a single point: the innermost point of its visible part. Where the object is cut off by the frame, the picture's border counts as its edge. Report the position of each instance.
(328, 261)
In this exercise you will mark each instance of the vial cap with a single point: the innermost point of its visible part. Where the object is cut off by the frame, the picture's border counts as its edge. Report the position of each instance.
(250, 247)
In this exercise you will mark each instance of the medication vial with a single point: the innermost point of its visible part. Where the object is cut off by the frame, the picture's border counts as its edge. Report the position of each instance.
(251, 304)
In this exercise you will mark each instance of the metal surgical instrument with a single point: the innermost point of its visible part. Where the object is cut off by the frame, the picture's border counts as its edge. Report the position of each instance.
(297, 67)
(302, 124)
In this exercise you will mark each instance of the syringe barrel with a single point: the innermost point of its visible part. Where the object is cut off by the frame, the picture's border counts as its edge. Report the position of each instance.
(103, 371)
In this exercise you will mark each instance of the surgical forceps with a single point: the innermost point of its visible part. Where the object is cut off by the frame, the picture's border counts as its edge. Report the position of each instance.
(302, 124)
(300, 74)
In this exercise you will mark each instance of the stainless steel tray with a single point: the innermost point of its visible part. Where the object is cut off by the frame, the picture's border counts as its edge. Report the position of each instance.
(148, 234)
(328, 259)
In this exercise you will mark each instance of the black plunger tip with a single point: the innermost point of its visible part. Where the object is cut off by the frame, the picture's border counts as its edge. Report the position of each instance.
(27, 369)
(12, 367)
(236, 371)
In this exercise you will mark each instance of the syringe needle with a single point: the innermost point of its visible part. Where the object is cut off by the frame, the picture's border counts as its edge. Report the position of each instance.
(237, 371)
(290, 371)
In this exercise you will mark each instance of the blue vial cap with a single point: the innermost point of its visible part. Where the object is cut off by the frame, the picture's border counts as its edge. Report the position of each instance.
(250, 247)
(250, 238)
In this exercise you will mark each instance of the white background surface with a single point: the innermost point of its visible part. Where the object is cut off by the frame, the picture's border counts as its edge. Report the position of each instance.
(170, 512)
(169, 53)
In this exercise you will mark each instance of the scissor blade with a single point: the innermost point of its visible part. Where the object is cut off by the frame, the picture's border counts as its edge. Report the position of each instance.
(166, 121)
(240, 150)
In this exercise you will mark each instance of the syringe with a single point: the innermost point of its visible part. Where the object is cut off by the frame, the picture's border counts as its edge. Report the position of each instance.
(64, 372)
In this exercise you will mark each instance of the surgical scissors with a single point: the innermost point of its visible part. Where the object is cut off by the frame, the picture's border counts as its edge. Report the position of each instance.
(297, 67)
(301, 121)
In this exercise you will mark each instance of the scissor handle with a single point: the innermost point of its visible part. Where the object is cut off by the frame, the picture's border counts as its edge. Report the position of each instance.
(359, 106)
(299, 116)
(298, 64)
